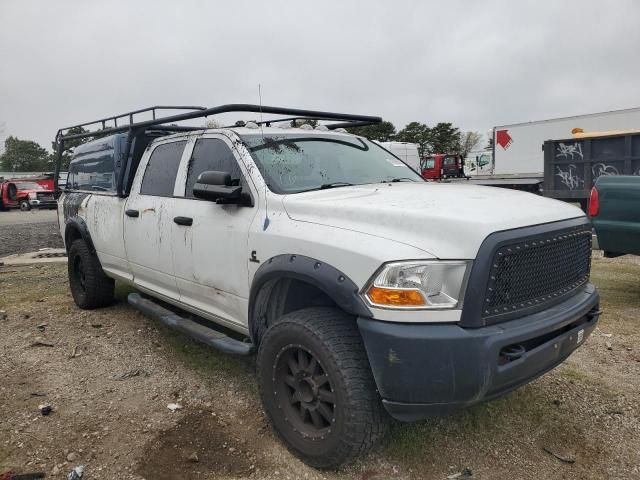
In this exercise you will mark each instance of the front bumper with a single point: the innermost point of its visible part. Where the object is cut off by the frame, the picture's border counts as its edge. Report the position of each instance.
(423, 370)
(43, 203)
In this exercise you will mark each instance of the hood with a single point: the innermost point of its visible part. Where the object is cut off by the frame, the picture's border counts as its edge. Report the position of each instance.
(448, 221)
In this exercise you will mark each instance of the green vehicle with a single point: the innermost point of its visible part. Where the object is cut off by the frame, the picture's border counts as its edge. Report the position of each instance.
(614, 208)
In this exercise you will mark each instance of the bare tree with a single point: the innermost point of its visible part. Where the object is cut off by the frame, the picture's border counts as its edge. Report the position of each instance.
(469, 141)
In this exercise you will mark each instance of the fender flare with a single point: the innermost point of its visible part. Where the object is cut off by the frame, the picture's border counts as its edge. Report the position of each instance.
(74, 224)
(335, 284)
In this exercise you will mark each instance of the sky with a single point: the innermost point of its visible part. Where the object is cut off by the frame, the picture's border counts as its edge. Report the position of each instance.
(475, 64)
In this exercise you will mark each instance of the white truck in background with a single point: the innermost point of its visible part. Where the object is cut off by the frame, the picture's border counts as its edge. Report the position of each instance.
(407, 152)
(517, 157)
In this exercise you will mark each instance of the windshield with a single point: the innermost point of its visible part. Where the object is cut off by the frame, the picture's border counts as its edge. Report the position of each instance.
(29, 186)
(293, 163)
(429, 163)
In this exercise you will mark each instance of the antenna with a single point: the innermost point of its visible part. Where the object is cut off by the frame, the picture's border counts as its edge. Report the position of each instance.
(266, 201)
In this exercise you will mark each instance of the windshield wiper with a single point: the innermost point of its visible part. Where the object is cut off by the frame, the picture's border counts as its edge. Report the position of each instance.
(400, 179)
(325, 186)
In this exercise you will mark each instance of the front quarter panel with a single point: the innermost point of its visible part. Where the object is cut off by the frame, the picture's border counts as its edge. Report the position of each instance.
(356, 255)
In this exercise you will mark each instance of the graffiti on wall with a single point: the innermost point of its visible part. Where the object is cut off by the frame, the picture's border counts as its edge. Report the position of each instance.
(569, 176)
(600, 169)
(567, 151)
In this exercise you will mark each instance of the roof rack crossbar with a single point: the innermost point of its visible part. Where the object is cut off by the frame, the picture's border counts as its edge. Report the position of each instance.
(332, 126)
(130, 115)
(200, 112)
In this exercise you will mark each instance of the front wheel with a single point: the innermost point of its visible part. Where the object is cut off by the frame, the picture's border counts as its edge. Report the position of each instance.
(25, 206)
(317, 387)
(90, 287)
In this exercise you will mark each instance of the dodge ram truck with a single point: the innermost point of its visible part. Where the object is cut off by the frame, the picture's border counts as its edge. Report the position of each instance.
(364, 291)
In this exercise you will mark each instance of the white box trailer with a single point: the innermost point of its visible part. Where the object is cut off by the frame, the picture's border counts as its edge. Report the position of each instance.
(407, 152)
(517, 159)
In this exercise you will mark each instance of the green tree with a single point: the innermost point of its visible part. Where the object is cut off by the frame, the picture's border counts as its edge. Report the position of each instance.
(469, 141)
(383, 132)
(416, 132)
(444, 138)
(23, 156)
(69, 145)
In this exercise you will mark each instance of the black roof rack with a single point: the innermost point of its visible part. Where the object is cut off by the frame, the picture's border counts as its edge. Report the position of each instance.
(162, 123)
(200, 112)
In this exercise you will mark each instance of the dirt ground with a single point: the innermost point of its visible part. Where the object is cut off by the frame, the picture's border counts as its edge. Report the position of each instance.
(22, 232)
(109, 375)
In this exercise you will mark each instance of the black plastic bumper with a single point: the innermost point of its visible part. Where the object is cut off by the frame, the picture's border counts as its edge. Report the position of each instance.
(423, 370)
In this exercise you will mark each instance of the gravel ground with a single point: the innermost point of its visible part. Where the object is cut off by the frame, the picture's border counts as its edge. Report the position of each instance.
(110, 374)
(22, 232)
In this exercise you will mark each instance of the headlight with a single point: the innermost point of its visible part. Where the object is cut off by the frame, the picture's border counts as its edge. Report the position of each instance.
(419, 284)
(33, 195)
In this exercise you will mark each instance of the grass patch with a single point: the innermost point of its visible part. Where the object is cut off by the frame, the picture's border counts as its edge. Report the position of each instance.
(525, 408)
(207, 361)
(210, 363)
(619, 288)
(31, 283)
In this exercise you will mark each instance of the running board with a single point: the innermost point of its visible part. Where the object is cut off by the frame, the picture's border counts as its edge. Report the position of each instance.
(199, 332)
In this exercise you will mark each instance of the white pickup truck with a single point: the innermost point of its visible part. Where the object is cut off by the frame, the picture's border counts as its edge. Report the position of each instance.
(364, 290)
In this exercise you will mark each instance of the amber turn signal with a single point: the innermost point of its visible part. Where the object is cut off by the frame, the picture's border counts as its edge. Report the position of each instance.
(395, 297)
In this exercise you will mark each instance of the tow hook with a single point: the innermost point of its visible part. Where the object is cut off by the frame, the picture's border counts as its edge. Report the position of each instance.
(511, 353)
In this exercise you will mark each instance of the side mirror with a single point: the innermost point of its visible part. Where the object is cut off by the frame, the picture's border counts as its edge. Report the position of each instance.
(216, 186)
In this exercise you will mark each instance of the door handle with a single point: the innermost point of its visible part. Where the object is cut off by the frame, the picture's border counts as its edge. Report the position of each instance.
(186, 221)
(132, 213)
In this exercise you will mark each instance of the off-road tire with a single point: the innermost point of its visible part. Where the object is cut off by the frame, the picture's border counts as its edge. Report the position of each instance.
(25, 206)
(90, 287)
(359, 419)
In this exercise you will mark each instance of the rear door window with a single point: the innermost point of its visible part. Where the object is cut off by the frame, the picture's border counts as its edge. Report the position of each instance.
(160, 175)
(93, 171)
(212, 154)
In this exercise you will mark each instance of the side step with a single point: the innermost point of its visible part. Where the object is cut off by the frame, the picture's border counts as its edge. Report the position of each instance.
(199, 332)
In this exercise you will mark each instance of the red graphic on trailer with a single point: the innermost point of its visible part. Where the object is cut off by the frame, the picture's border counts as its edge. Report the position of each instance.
(503, 138)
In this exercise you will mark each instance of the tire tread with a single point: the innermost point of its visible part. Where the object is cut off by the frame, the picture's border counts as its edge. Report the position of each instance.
(99, 288)
(367, 421)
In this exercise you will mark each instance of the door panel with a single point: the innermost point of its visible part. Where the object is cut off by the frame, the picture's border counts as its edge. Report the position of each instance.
(211, 255)
(148, 241)
(105, 222)
(148, 220)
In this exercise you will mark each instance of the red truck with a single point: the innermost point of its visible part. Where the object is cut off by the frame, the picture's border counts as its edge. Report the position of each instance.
(443, 165)
(25, 194)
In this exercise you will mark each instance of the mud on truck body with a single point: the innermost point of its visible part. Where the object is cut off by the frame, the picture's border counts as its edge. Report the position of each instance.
(365, 291)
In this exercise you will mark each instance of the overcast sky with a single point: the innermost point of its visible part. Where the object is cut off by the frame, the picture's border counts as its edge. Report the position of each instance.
(475, 64)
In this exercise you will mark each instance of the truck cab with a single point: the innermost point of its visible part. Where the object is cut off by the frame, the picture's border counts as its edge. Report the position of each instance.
(25, 194)
(363, 290)
(440, 166)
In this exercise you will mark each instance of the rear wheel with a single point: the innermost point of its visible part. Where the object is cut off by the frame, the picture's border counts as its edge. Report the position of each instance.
(317, 388)
(90, 287)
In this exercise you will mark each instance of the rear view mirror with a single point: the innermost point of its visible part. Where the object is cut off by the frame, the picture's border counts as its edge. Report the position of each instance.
(216, 186)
